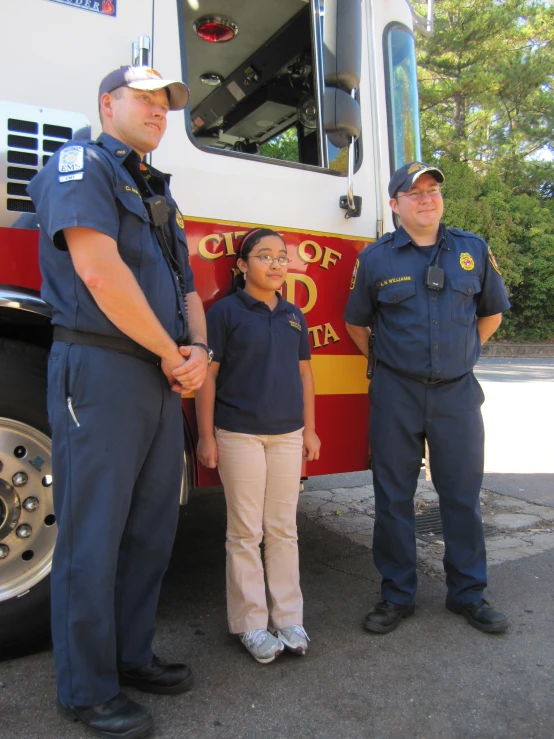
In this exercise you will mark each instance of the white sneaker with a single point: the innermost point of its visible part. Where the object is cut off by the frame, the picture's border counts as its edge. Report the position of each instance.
(262, 645)
(294, 638)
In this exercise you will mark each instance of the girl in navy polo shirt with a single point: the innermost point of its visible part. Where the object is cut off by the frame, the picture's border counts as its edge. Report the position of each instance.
(255, 422)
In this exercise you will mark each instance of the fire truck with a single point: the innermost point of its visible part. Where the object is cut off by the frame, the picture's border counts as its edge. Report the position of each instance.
(299, 112)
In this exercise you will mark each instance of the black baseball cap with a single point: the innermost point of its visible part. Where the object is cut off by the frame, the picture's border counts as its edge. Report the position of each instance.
(405, 177)
(145, 78)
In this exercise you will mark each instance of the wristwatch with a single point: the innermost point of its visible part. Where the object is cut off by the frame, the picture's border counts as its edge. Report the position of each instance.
(207, 349)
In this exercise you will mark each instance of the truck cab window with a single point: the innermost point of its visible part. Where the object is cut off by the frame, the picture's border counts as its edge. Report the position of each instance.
(254, 94)
(402, 97)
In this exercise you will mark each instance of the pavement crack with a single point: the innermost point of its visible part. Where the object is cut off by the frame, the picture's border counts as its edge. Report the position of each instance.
(345, 572)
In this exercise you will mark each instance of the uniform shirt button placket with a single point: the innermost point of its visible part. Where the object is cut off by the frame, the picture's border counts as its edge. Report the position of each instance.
(435, 333)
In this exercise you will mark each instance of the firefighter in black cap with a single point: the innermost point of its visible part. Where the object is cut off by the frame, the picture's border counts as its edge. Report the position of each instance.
(430, 297)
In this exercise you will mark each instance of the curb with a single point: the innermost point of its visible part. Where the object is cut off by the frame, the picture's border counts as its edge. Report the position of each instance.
(518, 350)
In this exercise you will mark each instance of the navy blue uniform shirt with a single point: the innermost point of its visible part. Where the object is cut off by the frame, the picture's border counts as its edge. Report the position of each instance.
(259, 389)
(429, 333)
(87, 184)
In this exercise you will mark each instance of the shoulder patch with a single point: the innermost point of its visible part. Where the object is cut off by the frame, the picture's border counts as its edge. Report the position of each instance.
(72, 159)
(354, 274)
(493, 261)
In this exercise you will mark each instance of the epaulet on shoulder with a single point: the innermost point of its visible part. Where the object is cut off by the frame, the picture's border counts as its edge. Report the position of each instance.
(466, 234)
(384, 239)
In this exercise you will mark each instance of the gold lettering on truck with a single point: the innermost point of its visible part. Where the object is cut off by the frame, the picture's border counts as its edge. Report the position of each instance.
(304, 254)
(290, 282)
(203, 247)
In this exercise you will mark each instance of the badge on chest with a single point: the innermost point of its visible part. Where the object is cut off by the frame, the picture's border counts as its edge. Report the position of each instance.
(294, 321)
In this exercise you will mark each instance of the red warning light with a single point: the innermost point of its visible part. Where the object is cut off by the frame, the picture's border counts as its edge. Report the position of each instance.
(216, 30)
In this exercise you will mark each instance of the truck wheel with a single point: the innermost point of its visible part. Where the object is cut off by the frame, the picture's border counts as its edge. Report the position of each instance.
(27, 521)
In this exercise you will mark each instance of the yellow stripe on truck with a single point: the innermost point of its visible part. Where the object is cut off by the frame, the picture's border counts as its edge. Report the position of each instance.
(336, 374)
(340, 374)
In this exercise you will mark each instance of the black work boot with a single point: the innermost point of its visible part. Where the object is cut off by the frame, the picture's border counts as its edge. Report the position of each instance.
(386, 616)
(167, 678)
(118, 718)
(481, 615)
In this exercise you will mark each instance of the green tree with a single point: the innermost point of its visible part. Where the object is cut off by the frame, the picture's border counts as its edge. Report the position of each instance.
(487, 114)
(284, 146)
(486, 80)
(519, 228)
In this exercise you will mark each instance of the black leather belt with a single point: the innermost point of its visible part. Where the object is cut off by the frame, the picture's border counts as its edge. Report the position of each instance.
(122, 345)
(418, 378)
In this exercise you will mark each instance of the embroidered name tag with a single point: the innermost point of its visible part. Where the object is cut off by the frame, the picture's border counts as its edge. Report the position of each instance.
(392, 280)
(132, 189)
(71, 177)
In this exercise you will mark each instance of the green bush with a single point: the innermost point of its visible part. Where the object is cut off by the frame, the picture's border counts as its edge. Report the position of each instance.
(519, 227)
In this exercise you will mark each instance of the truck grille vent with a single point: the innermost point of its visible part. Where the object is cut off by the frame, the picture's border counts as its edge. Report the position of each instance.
(23, 142)
(22, 126)
(52, 146)
(21, 206)
(58, 132)
(14, 188)
(20, 150)
(20, 157)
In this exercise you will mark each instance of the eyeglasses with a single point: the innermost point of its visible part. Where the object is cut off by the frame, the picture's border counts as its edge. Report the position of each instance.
(267, 259)
(414, 195)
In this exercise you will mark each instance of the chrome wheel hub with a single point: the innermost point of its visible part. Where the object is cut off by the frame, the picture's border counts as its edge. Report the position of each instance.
(27, 521)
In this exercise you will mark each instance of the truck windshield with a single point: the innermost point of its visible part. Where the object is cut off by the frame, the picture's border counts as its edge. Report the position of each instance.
(402, 97)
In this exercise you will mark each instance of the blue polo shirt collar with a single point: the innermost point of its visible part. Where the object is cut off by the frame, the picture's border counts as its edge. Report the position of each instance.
(403, 238)
(251, 302)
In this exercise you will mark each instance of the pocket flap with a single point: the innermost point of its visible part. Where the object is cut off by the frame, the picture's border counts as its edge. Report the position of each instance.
(397, 293)
(465, 285)
(130, 199)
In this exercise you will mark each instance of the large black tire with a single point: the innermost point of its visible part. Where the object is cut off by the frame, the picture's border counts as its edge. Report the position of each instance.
(25, 452)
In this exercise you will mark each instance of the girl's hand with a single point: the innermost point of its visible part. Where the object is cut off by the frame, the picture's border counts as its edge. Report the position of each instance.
(206, 451)
(311, 446)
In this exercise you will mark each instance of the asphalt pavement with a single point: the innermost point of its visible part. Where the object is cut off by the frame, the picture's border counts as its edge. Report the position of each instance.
(435, 677)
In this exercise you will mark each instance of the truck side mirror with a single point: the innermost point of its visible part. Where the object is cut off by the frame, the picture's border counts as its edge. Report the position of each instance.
(342, 40)
(342, 54)
(341, 117)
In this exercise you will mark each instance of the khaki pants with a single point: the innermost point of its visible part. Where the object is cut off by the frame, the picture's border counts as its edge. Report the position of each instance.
(261, 477)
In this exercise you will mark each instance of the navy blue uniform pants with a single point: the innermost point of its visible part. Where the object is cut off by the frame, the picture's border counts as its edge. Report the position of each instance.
(117, 466)
(404, 413)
